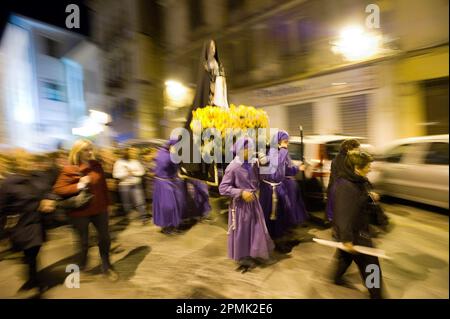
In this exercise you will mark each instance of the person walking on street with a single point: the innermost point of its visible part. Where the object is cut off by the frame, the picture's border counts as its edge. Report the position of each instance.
(169, 195)
(337, 166)
(25, 197)
(84, 172)
(248, 237)
(351, 220)
(130, 171)
(278, 198)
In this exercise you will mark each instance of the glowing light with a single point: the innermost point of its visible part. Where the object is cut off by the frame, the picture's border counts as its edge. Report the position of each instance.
(100, 117)
(356, 44)
(90, 127)
(175, 90)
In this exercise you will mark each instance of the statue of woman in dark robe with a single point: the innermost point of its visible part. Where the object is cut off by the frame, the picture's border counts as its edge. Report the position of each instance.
(211, 84)
(211, 90)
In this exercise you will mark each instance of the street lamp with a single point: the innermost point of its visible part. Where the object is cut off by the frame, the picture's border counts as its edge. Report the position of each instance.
(355, 44)
(175, 90)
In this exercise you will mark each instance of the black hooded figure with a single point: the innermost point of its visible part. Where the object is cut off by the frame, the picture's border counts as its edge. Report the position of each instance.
(211, 90)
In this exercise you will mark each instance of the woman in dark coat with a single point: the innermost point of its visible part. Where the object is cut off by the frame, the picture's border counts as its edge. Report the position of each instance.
(24, 197)
(351, 220)
(338, 165)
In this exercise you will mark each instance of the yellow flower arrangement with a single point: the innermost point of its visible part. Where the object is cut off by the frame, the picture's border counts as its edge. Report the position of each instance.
(237, 117)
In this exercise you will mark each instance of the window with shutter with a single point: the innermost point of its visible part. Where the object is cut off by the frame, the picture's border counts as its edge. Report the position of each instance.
(300, 114)
(354, 116)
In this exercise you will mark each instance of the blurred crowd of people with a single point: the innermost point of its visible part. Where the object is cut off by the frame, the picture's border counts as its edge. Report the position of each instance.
(44, 190)
(86, 186)
(12, 160)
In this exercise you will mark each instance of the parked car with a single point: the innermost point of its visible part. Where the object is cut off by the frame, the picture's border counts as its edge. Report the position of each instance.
(319, 151)
(414, 169)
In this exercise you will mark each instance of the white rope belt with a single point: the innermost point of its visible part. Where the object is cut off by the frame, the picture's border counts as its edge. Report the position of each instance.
(165, 179)
(233, 217)
(273, 214)
(233, 214)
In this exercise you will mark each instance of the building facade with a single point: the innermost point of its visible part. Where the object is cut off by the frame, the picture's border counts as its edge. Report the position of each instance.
(128, 35)
(279, 55)
(44, 75)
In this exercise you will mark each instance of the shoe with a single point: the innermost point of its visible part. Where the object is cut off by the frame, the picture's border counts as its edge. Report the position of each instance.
(167, 230)
(247, 268)
(343, 283)
(111, 275)
(246, 264)
(282, 248)
(243, 268)
(326, 224)
(339, 281)
(28, 293)
(376, 296)
(43, 289)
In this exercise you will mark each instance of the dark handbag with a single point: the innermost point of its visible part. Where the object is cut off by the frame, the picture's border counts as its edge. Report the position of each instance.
(78, 201)
(376, 215)
(9, 222)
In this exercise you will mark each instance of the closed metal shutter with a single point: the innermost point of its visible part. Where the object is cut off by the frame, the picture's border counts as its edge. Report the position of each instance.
(436, 99)
(354, 117)
(300, 114)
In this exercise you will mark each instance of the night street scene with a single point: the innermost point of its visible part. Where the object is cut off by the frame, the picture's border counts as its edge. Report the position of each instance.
(224, 149)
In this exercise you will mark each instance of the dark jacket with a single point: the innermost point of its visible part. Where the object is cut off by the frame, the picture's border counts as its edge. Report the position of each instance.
(21, 195)
(337, 165)
(351, 219)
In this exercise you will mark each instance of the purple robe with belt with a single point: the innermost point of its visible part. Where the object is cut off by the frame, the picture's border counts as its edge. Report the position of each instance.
(169, 192)
(289, 211)
(198, 199)
(248, 235)
(298, 207)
